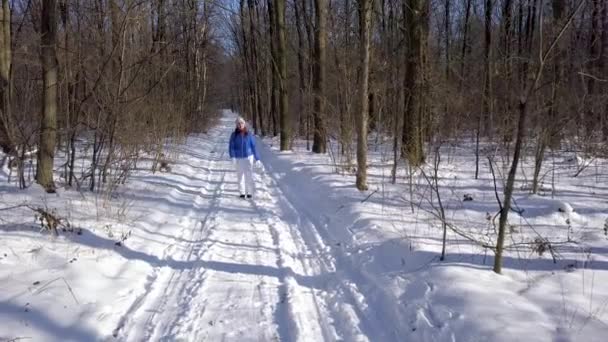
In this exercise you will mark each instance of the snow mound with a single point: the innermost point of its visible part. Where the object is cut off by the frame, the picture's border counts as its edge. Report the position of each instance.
(564, 207)
(536, 206)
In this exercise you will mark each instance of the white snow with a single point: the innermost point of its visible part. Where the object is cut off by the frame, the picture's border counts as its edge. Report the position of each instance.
(310, 258)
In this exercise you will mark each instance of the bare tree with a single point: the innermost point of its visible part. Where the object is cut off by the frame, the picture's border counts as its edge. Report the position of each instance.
(547, 130)
(274, 65)
(528, 89)
(320, 134)
(282, 67)
(465, 42)
(417, 19)
(48, 125)
(365, 18)
(302, 71)
(603, 65)
(6, 139)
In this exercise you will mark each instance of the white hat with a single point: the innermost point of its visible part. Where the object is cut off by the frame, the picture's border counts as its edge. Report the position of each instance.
(240, 120)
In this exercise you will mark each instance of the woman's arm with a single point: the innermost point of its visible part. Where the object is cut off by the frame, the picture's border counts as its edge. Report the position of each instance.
(231, 146)
(252, 143)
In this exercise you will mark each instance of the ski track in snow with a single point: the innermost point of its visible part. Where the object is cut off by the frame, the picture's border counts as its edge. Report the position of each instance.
(248, 270)
(362, 309)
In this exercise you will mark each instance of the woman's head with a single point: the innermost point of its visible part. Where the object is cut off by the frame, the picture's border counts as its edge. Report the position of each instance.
(240, 123)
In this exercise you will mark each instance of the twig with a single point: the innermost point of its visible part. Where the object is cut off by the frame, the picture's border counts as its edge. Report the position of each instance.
(66, 284)
(454, 228)
(494, 180)
(46, 285)
(368, 196)
(584, 167)
(15, 207)
(16, 339)
(71, 291)
(584, 74)
(531, 243)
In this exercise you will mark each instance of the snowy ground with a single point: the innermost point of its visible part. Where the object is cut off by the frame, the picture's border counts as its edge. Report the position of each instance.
(309, 259)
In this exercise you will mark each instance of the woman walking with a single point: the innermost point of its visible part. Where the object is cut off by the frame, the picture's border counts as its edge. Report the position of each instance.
(244, 156)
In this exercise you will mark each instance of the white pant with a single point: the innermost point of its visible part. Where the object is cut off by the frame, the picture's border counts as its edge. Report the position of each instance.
(244, 175)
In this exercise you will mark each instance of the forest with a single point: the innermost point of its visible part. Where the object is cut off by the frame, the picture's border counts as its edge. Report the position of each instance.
(483, 121)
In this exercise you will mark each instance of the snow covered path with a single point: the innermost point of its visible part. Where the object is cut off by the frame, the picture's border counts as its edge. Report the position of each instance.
(241, 269)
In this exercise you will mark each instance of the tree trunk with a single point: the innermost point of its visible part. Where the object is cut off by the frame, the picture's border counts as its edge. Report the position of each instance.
(274, 63)
(365, 10)
(487, 85)
(48, 124)
(117, 72)
(257, 100)
(506, 205)
(310, 37)
(465, 43)
(320, 136)
(302, 74)
(417, 16)
(506, 34)
(7, 143)
(506, 117)
(602, 65)
(282, 66)
(250, 76)
(592, 119)
(447, 40)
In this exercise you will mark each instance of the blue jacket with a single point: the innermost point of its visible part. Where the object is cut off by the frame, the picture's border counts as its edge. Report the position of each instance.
(242, 146)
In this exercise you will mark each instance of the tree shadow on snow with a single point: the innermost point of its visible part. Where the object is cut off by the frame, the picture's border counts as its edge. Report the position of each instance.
(394, 256)
(40, 321)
